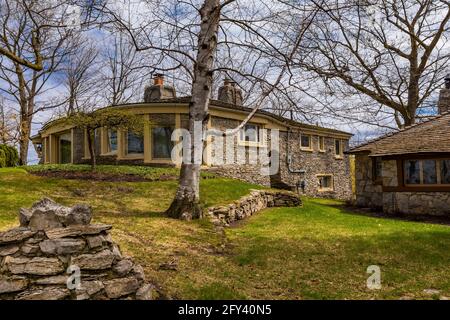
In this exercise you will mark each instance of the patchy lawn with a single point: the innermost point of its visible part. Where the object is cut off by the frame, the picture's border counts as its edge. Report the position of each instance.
(319, 251)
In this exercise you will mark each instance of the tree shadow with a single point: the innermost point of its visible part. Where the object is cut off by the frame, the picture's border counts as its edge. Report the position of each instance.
(345, 208)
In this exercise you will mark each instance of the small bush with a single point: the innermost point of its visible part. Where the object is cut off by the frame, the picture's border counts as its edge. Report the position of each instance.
(9, 156)
(2, 159)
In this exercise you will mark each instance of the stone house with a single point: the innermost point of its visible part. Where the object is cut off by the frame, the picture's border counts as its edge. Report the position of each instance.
(408, 171)
(311, 158)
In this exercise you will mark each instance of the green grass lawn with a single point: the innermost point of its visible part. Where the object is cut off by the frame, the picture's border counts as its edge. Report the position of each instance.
(320, 251)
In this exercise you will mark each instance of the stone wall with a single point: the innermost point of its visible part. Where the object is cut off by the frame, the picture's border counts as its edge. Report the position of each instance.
(248, 205)
(57, 254)
(417, 203)
(313, 162)
(368, 193)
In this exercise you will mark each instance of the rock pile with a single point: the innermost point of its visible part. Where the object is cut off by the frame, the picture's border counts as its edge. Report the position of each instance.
(248, 205)
(57, 254)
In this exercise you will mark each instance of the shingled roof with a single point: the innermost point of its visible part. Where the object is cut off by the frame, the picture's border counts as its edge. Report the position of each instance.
(432, 136)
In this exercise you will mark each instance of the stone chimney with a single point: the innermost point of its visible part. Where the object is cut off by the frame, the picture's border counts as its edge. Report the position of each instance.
(230, 93)
(444, 97)
(158, 91)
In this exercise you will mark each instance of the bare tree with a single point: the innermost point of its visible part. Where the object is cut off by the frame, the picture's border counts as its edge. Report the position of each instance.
(122, 71)
(8, 124)
(390, 54)
(20, 22)
(79, 75)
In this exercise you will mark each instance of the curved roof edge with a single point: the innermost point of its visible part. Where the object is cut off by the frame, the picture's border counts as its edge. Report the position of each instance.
(221, 104)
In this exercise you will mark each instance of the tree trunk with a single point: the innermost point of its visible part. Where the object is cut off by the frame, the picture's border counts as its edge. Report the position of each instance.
(186, 204)
(91, 146)
(24, 140)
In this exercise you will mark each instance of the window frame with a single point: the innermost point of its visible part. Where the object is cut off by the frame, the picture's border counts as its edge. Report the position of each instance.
(327, 189)
(377, 178)
(152, 155)
(321, 147)
(133, 155)
(106, 140)
(260, 136)
(310, 148)
(339, 155)
(421, 173)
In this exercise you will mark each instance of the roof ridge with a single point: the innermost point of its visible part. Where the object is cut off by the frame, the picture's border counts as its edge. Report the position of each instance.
(390, 134)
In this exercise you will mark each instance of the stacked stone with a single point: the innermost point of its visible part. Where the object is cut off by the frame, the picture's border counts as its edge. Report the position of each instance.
(248, 205)
(57, 254)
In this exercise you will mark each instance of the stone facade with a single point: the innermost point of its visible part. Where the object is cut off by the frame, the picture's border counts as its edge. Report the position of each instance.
(305, 166)
(249, 205)
(370, 193)
(57, 254)
(418, 203)
(299, 169)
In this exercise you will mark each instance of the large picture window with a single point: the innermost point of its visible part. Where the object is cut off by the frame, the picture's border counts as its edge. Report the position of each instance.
(135, 143)
(427, 172)
(162, 142)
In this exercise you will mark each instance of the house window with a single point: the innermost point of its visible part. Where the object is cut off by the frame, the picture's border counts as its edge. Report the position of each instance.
(377, 168)
(412, 172)
(162, 142)
(305, 142)
(112, 140)
(338, 148)
(321, 144)
(325, 182)
(250, 133)
(135, 143)
(445, 171)
(427, 172)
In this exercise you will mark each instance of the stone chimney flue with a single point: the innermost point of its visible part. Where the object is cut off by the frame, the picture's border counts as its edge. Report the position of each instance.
(230, 93)
(444, 97)
(158, 90)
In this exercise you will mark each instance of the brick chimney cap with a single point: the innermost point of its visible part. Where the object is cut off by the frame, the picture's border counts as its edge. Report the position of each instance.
(447, 81)
(158, 75)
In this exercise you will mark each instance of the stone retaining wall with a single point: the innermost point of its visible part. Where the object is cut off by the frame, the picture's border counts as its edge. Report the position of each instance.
(57, 254)
(248, 205)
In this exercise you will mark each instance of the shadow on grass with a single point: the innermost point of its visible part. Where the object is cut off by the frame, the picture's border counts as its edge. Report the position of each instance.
(372, 213)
